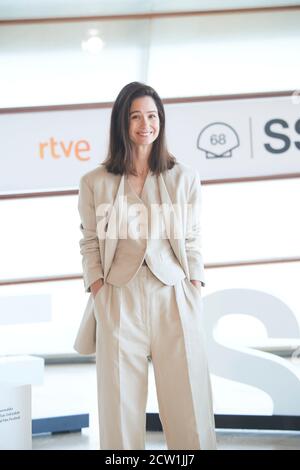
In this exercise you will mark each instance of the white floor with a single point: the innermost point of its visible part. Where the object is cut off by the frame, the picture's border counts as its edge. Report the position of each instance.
(71, 389)
(226, 440)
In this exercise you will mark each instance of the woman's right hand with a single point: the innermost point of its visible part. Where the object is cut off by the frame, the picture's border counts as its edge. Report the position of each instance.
(96, 286)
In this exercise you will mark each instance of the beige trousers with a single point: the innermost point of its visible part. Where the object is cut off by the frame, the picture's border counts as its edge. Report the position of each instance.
(148, 318)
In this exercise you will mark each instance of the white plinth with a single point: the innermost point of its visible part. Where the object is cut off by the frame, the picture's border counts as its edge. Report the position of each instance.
(15, 417)
(17, 374)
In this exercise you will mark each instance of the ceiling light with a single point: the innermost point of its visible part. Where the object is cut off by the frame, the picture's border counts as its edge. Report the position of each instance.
(93, 44)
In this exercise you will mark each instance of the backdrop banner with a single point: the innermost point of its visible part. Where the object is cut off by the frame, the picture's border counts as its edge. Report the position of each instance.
(252, 137)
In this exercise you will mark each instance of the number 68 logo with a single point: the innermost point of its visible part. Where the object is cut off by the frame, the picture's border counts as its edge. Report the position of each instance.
(218, 140)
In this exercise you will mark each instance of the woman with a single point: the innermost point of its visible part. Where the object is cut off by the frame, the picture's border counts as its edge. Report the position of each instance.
(143, 266)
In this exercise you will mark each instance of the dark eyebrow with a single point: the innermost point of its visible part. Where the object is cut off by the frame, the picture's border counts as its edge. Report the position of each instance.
(140, 111)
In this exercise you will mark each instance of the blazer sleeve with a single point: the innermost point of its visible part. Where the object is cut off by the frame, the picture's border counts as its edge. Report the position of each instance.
(89, 244)
(193, 232)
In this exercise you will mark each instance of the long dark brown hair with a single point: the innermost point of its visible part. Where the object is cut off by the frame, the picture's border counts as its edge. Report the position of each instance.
(120, 156)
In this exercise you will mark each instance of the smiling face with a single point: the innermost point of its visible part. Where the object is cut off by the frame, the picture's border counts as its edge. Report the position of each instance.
(143, 121)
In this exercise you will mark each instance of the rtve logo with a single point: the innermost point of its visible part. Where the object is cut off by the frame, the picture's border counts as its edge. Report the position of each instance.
(53, 149)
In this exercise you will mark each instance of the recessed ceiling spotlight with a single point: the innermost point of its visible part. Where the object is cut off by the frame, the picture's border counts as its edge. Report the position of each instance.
(93, 44)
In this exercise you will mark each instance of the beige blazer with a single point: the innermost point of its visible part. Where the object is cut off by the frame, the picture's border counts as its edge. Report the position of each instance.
(100, 205)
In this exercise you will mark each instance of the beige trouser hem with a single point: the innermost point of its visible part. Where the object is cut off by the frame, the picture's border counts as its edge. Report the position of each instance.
(148, 318)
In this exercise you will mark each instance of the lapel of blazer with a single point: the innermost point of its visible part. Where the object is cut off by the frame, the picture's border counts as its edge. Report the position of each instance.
(112, 227)
(169, 213)
(175, 228)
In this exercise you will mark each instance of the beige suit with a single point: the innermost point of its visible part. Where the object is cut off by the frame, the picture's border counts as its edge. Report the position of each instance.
(126, 324)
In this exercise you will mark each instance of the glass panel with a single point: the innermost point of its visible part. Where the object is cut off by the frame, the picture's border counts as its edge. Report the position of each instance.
(249, 221)
(240, 221)
(53, 337)
(55, 68)
(225, 54)
(180, 56)
(39, 237)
